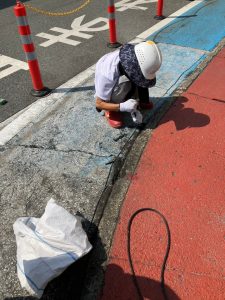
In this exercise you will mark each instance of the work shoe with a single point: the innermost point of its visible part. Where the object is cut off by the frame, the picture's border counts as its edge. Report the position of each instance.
(146, 106)
(114, 118)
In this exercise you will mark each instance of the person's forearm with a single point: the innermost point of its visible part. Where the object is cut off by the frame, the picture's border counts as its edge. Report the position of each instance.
(102, 105)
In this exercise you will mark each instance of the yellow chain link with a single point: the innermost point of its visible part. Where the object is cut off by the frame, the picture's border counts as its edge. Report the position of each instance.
(57, 14)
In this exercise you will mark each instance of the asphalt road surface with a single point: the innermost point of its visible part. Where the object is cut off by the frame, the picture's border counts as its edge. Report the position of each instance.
(65, 45)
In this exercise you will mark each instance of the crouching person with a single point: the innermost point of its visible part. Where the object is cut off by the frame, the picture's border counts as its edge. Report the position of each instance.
(122, 79)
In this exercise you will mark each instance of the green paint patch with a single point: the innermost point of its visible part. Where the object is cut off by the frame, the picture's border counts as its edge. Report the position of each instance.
(2, 102)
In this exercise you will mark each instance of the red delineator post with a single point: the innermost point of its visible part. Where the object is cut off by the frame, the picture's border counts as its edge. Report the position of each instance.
(29, 49)
(112, 25)
(159, 15)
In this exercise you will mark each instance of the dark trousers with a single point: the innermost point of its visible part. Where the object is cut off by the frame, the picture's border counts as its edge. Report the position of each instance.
(143, 94)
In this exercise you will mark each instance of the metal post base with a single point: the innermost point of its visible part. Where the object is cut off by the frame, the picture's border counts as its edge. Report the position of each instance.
(114, 45)
(159, 17)
(41, 93)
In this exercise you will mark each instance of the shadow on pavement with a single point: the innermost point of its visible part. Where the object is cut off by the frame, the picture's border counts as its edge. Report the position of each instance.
(183, 117)
(120, 285)
(170, 109)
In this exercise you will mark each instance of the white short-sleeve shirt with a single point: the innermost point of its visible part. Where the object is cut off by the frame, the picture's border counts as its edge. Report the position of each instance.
(107, 75)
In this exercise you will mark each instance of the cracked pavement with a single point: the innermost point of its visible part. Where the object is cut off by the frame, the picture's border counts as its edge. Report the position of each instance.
(68, 153)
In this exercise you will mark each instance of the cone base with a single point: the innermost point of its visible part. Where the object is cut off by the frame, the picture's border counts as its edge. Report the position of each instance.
(41, 93)
(114, 45)
(159, 17)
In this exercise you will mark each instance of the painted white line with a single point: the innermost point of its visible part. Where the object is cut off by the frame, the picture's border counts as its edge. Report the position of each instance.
(13, 65)
(128, 4)
(35, 109)
(77, 30)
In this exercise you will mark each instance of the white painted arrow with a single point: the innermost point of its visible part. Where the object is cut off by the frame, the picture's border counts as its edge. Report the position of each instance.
(77, 30)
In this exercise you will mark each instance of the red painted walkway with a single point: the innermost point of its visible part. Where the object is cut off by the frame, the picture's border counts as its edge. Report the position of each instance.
(182, 174)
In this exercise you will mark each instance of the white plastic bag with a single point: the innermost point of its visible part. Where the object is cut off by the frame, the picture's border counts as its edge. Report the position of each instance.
(47, 246)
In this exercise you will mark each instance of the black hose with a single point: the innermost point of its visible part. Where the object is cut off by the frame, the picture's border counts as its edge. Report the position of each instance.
(165, 257)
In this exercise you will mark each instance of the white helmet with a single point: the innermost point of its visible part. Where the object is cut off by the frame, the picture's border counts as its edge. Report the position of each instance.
(149, 58)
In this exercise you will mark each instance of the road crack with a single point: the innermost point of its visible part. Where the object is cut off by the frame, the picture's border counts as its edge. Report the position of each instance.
(54, 148)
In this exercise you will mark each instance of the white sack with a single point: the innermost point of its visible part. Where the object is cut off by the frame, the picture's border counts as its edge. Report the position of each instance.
(47, 246)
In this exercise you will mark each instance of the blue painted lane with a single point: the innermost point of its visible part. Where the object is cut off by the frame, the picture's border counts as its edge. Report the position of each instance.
(178, 63)
(202, 27)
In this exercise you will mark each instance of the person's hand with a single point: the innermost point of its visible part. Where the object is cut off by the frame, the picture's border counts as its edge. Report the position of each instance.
(129, 105)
